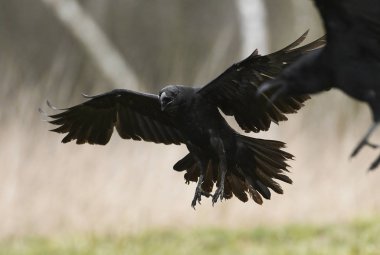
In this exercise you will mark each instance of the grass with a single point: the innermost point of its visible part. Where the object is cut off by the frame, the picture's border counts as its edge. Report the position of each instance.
(359, 237)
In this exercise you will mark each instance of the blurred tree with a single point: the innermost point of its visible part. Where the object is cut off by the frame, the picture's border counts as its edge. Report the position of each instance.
(171, 40)
(288, 19)
(280, 21)
(99, 48)
(165, 41)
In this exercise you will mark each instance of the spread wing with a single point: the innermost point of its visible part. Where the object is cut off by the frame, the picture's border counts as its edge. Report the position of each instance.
(234, 91)
(340, 17)
(135, 115)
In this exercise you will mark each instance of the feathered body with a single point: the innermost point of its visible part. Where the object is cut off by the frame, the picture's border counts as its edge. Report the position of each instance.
(350, 61)
(238, 165)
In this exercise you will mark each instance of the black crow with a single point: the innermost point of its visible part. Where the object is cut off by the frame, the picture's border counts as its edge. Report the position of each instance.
(350, 61)
(239, 165)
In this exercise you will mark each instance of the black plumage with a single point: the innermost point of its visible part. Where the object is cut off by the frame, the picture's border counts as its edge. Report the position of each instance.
(350, 61)
(238, 165)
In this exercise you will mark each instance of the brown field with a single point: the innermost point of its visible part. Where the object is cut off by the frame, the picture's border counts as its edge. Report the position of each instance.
(48, 188)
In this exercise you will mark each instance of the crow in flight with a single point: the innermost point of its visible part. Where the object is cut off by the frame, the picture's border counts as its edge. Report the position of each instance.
(350, 61)
(239, 165)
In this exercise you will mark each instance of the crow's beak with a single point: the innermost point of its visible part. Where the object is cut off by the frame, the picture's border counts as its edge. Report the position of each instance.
(164, 101)
(163, 107)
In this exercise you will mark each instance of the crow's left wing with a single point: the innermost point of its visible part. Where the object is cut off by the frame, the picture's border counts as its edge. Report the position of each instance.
(234, 91)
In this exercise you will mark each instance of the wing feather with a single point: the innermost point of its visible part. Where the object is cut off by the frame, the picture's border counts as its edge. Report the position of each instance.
(135, 115)
(234, 91)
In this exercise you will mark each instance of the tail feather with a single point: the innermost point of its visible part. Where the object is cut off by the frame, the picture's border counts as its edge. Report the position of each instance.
(227, 190)
(210, 177)
(262, 189)
(238, 187)
(255, 196)
(185, 163)
(275, 172)
(268, 181)
(272, 146)
(269, 154)
(259, 163)
(192, 174)
(270, 161)
(263, 161)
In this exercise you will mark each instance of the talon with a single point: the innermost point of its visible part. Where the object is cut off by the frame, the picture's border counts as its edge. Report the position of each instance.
(357, 149)
(360, 147)
(375, 164)
(365, 142)
(198, 196)
(193, 204)
(219, 193)
(372, 145)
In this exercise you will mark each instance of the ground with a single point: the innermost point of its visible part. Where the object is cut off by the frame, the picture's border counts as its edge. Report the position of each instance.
(357, 237)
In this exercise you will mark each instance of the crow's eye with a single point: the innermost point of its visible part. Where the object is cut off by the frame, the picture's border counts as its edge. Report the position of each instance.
(167, 100)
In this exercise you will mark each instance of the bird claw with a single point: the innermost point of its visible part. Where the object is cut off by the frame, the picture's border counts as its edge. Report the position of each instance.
(373, 146)
(195, 200)
(375, 164)
(219, 193)
(199, 192)
(360, 146)
(365, 141)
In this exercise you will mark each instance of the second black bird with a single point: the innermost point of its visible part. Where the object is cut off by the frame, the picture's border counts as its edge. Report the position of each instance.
(350, 61)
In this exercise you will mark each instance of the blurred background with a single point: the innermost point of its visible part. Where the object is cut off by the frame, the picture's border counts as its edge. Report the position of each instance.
(55, 50)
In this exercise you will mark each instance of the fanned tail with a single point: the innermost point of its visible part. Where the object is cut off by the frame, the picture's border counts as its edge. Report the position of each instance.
(259, 164)
(263, 162)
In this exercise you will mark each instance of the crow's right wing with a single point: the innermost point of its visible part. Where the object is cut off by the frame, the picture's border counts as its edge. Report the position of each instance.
(135, 115)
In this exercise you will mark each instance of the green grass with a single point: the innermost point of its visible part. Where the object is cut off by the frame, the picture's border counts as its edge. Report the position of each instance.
(359, 237)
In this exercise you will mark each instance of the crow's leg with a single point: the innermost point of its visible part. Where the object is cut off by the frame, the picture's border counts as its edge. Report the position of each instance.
(198, 191)
(375, 107)
(218, 145)
(365, 141)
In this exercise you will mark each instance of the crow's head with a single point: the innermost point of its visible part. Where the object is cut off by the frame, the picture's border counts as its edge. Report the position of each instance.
(169, 97)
